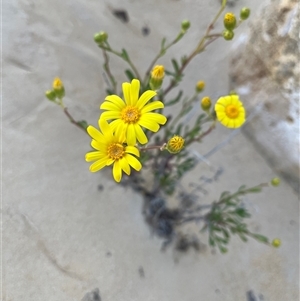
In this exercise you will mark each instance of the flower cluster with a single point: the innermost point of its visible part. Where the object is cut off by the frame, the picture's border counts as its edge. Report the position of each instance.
(117, 142)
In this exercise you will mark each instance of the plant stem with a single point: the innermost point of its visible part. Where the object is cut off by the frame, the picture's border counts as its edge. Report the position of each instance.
(197, 139)
(72, 120)
(108, 72)
(160, 54)
(160, 147)
(201, 46)
(119, 54)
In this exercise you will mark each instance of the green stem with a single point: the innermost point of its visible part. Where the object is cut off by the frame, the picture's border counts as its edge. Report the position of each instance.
(184, 106)
(119, 54)
(201, 46)
(108, 72)
(160, 147)
(160, 54)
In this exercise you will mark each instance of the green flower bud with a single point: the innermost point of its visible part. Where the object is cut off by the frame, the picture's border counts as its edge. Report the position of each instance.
(157, 76)
(100, 37)
(229, 21)
(228, 34)
(58, 87)
(245, 13)
(276, 243)
(185, 25)
(205, 103)
(200, 86)
(50, 94)
(275, 182)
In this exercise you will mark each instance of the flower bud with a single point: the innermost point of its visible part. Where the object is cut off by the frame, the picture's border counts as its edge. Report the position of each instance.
(175, 144)
(58, 87)
(200, 86)
(50, 94)
(205, 103)
(275, 182)
(157, 76)
(245, 13)
(185, 25)
(228, 34)
(57, 84)
(100, 37)
(276, 243)
(229, 21)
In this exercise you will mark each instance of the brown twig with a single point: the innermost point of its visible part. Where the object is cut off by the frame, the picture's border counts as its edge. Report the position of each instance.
(72, 120)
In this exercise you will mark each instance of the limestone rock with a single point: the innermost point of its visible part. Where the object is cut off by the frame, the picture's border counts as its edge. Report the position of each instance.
(265, 73)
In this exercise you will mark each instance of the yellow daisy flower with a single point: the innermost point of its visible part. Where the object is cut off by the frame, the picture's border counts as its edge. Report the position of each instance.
(133, 113)
(230, 111)
(110, 149)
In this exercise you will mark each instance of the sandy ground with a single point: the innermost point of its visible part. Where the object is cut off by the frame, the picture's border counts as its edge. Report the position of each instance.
(63, 237)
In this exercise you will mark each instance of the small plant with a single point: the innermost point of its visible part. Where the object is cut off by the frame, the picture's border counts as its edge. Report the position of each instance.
(140, 136)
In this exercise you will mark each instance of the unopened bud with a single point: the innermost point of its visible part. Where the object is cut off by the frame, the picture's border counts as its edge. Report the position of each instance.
(200, 86)
(229, 21)
(157, 76)
(228, 34)
(58, 87)
(276, 242)
(50, 94)
(185, 25)
(100, 37)
(205, 103)
(245, 13)
(175, 144)
(275, 182)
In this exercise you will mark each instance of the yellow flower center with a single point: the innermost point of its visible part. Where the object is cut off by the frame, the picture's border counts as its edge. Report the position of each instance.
(115, 151)
(232, 111)
(130, 114)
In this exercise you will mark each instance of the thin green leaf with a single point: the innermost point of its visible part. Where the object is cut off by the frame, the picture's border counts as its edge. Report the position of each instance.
(175, 100)
(124, 54)
(129, 74)
(175, 65)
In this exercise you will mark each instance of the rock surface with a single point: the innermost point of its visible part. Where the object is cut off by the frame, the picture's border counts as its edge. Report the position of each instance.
(265, 71)
(67, 231)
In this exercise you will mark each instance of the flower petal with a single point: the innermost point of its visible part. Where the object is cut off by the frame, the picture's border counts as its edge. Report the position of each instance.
(94, 133)
(115, 123)
(98, 164)
(145, 97)
(107, 105)
(120, 132)
(126, 92)
(152, 106)
(100, 146)
(118, 101)
(224, 101)
(105, 128)
(134, 91)
(219, 107)
(125, 166)
(231, 123)
(110, 115)
(117, 171)
(132, 150)
(159, 118)
(133, 162)
(140, 135)
(93, 156)
(149, 124)
(131, 137)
